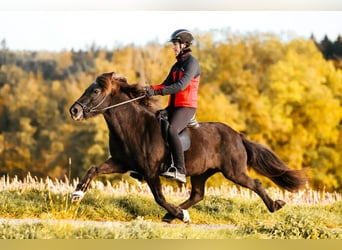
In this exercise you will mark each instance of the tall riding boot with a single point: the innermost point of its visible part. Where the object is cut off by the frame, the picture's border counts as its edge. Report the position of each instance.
(177, 172)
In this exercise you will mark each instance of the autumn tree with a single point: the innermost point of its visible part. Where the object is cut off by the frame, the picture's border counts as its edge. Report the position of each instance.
(285, 95)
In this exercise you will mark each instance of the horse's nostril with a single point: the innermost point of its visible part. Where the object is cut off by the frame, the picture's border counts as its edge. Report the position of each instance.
(74, 111)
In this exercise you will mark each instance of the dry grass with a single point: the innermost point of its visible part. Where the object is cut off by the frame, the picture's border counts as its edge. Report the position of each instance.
(306, 196)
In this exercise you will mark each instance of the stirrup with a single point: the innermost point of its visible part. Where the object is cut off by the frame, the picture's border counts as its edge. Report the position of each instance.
(172, 173)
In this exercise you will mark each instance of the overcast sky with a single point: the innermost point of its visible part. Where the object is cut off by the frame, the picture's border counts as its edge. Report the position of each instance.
(57, 29)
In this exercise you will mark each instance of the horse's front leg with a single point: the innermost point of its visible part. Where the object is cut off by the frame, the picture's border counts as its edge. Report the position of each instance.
(159, 197)
(107, 167)
(197, 194)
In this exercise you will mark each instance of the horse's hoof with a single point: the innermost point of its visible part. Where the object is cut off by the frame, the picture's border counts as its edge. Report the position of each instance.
(168, 218)
(77, 196)
(278, 204)
(186, 216)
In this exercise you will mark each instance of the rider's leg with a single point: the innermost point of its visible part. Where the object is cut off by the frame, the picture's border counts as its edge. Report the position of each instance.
(176, 149)
(179, 118)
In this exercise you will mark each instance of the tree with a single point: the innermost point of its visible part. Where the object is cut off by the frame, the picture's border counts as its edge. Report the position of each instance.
(304, 112)
(282, 94)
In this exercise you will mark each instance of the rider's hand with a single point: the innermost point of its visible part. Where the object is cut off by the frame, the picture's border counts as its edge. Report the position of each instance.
(151, 92)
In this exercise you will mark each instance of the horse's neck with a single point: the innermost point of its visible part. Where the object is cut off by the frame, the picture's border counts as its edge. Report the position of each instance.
(118, 119)
(128, 121)
(133, 132)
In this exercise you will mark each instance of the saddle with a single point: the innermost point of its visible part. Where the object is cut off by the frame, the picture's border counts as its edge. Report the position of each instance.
(162, 117)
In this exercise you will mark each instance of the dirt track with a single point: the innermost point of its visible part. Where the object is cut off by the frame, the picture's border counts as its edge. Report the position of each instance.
(110, 223)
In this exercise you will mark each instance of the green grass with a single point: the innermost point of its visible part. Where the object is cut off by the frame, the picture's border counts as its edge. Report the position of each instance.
(225, 213)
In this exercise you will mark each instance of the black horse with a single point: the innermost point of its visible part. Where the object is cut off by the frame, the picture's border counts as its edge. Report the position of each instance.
(136, 144)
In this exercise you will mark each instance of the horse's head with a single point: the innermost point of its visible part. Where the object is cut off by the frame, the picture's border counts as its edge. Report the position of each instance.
(96, 97)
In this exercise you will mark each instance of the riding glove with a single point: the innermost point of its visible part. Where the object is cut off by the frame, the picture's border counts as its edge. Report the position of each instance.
(151, 92)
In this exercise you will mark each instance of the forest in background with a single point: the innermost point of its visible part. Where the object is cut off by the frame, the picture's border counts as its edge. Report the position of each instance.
(285, 95)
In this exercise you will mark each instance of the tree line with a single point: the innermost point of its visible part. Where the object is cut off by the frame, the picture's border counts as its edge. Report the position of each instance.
(330, 49)
(286, 95)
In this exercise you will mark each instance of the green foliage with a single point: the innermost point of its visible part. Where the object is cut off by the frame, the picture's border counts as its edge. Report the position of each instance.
(282, 94)
(293, 227)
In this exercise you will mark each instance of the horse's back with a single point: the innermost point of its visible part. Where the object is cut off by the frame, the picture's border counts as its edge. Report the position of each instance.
(214, 130)
(213, 144)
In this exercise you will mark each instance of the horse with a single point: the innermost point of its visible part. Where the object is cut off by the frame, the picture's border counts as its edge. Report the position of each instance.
(136, 144)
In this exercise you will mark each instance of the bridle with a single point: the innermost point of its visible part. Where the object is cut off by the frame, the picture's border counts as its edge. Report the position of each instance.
(94, 109)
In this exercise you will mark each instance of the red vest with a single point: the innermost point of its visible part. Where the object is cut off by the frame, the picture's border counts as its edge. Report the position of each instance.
(188, 96)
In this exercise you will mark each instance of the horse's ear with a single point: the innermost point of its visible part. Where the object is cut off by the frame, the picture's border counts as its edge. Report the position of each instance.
(117, 81)
(118, 77)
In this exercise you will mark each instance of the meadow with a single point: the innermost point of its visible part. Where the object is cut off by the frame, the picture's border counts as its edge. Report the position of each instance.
(34, 208)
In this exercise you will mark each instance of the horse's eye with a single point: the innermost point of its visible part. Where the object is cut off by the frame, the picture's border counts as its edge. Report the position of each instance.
(96, 91)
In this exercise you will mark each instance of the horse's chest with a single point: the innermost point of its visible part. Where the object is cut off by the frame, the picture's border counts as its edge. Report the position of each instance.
(122, 148)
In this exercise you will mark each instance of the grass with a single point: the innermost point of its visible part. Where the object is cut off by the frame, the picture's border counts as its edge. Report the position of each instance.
(136, 229)
(128, 211)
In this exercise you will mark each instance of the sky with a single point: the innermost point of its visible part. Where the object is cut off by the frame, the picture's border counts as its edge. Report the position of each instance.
(56, 28)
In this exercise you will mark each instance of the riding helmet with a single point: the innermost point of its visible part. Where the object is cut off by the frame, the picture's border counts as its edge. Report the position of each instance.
(182, 36)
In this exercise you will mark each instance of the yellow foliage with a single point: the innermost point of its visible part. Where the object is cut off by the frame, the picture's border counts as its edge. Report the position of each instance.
(102, 64)
(215, 106)
(64, 60)
(282, 94)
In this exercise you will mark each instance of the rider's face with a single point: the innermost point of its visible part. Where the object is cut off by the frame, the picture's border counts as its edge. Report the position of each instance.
(177, 47)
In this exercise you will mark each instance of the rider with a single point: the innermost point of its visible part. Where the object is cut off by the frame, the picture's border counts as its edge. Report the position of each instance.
(182, 85)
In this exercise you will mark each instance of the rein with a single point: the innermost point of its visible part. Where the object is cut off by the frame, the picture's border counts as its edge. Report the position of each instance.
(118, 104)
(94, 109)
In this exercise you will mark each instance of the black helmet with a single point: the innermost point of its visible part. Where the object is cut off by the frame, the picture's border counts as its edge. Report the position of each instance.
(182, 36)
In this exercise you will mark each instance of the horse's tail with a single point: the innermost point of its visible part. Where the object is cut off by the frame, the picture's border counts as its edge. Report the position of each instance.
(265, 162)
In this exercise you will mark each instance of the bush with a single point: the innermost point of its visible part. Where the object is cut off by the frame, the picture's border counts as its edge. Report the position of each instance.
(293, 227)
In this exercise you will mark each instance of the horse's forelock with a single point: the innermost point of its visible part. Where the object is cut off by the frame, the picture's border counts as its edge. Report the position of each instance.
(110, 82)
(104, 81)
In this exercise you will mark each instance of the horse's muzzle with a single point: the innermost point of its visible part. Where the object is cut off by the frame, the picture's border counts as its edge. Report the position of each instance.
(76, 112)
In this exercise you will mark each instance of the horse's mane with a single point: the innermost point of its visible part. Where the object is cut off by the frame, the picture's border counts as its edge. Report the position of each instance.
(114, 83)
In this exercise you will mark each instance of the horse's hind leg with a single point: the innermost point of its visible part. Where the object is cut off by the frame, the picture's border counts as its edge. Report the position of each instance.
(240, 177)
(108, 167)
